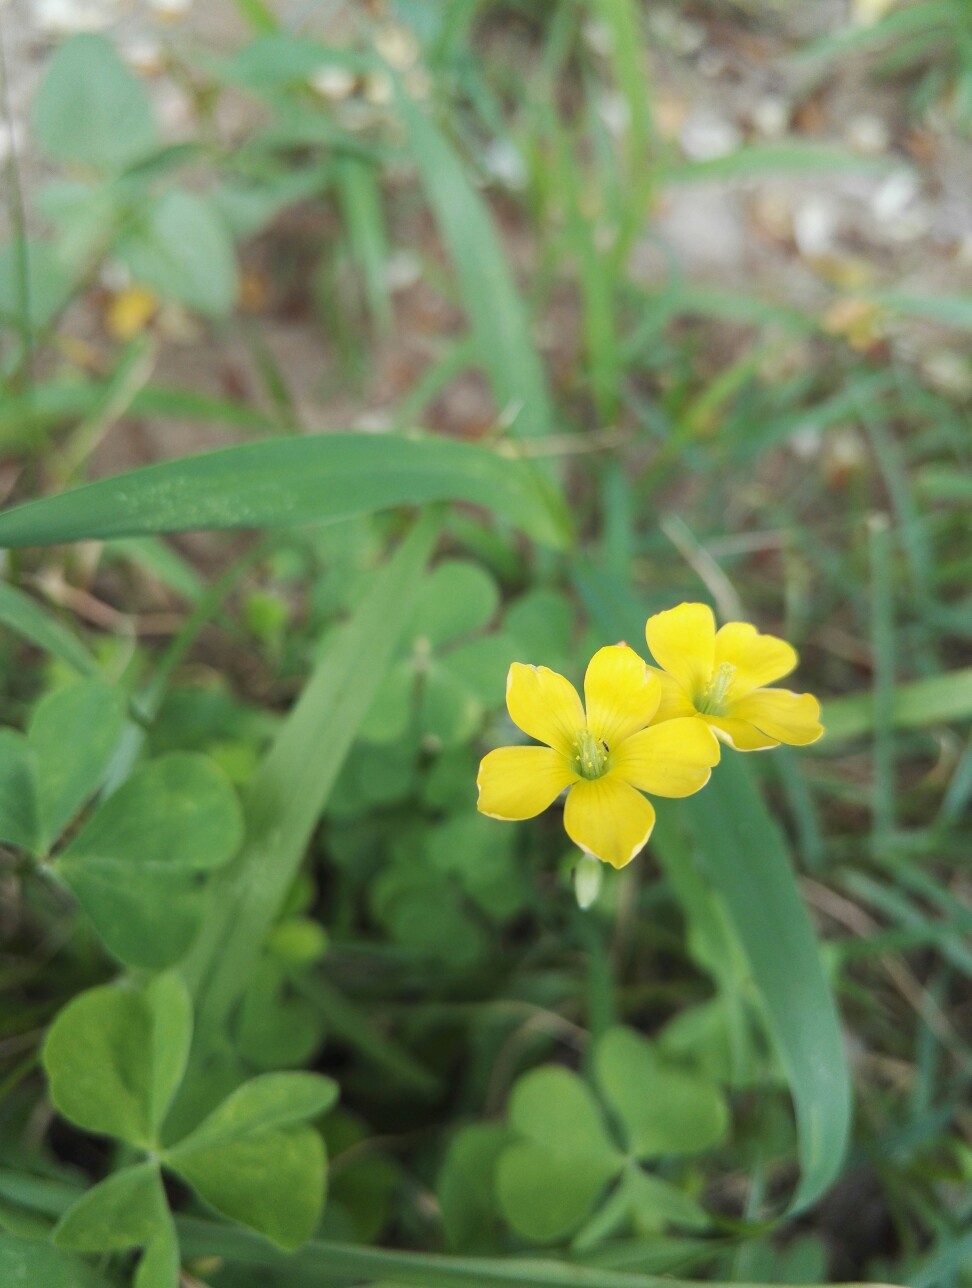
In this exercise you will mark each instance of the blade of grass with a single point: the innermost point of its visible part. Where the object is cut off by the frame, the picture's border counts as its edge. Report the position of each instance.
(753, 160)
(596, 283)
(630, 70)
(943, 934)
(132, 371)
(360, 197)
(26, 618)
(424, 1270)
(940, 699)
(489, 295)
(882, 651)
(156, 559)
(284, 801)
(281, 483)
(744, 858)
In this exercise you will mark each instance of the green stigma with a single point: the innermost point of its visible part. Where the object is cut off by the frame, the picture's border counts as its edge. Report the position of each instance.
(590, 755)
(713, 698)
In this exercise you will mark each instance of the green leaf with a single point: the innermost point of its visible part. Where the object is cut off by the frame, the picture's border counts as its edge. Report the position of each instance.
(547, 1183)
(171, 1009)
(182, 249)
(114, 1058)
(465, 1187)
(144, 916)
(552, 1106)
(272, 1181)
(133, 866)
(546, 1195)
(745, 860)
(178, 812)
(456, 599)
(657, 1203)
(125, 1211)
(663, 1109)
(280, 483)
(645, 1202)
(159, 1266)
(482, 666)
(73, 732)
(90, 109)
(448, 711)
(500, 323)
(541, 622)
(20, 613)
(18, 798)
(97, 1057)
(271, 1101)
(49, 285)
(25, 1263)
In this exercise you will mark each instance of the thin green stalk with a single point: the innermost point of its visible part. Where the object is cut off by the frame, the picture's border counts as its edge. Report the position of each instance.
(882, 649)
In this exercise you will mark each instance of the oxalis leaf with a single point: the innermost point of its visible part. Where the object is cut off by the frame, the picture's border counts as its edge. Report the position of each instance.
(252, 1161)
(280, 483)
(547, 1182)
(73, 733)
(114, 1057)
(91, 109)
(134, 867)
(127, 1210)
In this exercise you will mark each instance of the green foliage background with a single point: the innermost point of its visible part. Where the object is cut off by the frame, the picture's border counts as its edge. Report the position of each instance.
(282, 1008)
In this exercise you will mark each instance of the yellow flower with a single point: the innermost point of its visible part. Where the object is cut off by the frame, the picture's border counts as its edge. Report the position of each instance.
(606, 757)
(719, 675)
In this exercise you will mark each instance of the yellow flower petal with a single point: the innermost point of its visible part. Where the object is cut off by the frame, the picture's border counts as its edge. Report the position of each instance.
(621, 693)
(674, 702)
(739, 734)
(793, 718)
(757, 659)
(519, 782)
(545, 706)
(608, 818)
(670, 759)
(682, 642)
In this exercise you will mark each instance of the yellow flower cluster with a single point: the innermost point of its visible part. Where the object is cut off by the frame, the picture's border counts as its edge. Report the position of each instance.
(642, 728)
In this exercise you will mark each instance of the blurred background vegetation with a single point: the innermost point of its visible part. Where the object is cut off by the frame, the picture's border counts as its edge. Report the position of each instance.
(708, 268)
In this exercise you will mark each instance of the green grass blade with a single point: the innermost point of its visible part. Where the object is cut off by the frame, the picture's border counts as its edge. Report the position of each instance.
(280, 483)
(745, 860)
(326, 1262)
(499, 319)
(940, 699)
(22, 615)
(882, 651)
(284, 801)
(756, 159)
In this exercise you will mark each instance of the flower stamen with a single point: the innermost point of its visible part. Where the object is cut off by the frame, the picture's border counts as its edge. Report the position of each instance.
(590, 755)
(713, 699)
